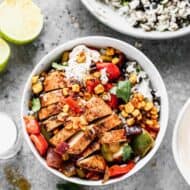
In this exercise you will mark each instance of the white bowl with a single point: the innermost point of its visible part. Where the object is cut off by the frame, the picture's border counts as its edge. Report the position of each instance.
(181, 142)
(131, 52)
(110, 18)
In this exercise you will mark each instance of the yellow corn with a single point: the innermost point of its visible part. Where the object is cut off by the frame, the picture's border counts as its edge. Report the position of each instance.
(65, 108)
(65, 91)
(81, 58)
(75, 88)
(35, 79)
(133, 78)
(65, 56)
(115, 60)
(110, 51)
(136, 112)
(148, 106)
(124, 114)
(129, 108)
(99, 89)
(97, 74)
(130, 121)
(37, 88)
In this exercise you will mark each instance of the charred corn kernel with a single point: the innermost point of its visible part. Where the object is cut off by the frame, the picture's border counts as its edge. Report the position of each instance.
(75, 88)
(35, 79)
(99, 89)
(97, 74)
(106, 58)
(148, 106)
(139, 117)
(81, 58)
(129, 108)
(149, 122)
(65, 56)
(110, 51)
(65, 157)
(124, 114)
(154, 116)
(87, 96)
(115, 60)
(55, 131)
(37, 88)
(136, 112)
(139, 96)
(65, 108)
(130, 121)
(154, 111)
(65, 91)
(133, 78)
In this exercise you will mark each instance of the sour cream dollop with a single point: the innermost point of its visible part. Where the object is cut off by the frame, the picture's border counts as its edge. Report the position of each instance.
(77, 70)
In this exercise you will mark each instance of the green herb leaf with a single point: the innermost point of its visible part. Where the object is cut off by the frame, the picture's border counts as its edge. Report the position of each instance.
(127, 152)
(36, 104)
(123, 90)
(67, 186)
(58, 66)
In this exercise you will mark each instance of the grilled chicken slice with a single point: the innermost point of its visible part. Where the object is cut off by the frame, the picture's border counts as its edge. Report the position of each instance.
(72, 126)
(54, 80)
(96, 108)
(79, 142)
(93, 147)
(51, 97)
(113, 136)
(55, 121)
(93, 163)
(49, 111)
(107, 124)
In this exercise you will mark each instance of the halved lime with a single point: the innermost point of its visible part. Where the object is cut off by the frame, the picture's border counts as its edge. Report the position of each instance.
(21, 21)
(4, 54)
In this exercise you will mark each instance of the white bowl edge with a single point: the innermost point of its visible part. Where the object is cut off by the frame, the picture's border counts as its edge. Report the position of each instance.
(140, 57)
(174, 139)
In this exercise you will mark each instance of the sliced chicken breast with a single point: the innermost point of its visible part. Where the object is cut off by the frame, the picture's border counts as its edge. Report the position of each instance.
(93, 163)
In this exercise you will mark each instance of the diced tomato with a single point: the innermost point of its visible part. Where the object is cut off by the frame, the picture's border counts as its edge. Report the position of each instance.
(32, 125)
(108, 86)
(112, 70)
(61, 148)
(113, 102)
(118, 170)
(73, 104)
(40, 143)
(91, 84)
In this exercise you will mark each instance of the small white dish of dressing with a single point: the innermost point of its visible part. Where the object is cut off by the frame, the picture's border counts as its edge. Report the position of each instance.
(181, 142)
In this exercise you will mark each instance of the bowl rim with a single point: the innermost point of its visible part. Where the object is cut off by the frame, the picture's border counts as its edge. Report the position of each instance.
(174, 138)
(137, 33)
(162, 132)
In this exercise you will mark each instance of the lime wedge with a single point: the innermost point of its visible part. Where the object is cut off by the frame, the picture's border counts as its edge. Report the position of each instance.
(21, 21)
(4, 54)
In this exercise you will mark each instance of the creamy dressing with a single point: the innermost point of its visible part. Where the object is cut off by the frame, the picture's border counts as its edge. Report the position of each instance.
(8, 133)
(77, 70)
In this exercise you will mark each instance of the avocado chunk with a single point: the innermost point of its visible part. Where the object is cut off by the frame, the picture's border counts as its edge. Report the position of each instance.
(142, 143)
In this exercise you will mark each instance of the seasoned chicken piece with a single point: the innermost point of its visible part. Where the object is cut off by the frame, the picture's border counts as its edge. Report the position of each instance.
(55, 121)
(49, 111)
(107, 124)
(72, 126)
(91, 149)
(54, 80)
(113, 136)
(51, 97)
(80, 141)
(93, 163)
(96, 108)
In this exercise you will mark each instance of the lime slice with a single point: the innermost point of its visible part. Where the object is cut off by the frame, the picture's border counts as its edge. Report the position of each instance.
(21, 21)
(4, 54)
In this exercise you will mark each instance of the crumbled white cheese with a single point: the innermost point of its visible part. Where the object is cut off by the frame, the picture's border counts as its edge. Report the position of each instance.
(104, 78)
(77, 70)
(131, 68)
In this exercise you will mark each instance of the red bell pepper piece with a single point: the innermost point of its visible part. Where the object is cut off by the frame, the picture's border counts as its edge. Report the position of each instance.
(117, 170)
(113, 102)
(91, 84)
(32, 125)
(108, 86)
(112, 70)
(40, 143)
(73, 104)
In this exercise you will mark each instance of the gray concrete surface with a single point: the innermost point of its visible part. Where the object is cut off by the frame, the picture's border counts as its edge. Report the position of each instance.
(65, 20)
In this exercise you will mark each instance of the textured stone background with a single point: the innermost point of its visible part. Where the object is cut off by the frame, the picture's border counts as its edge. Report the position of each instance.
(65, 20)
